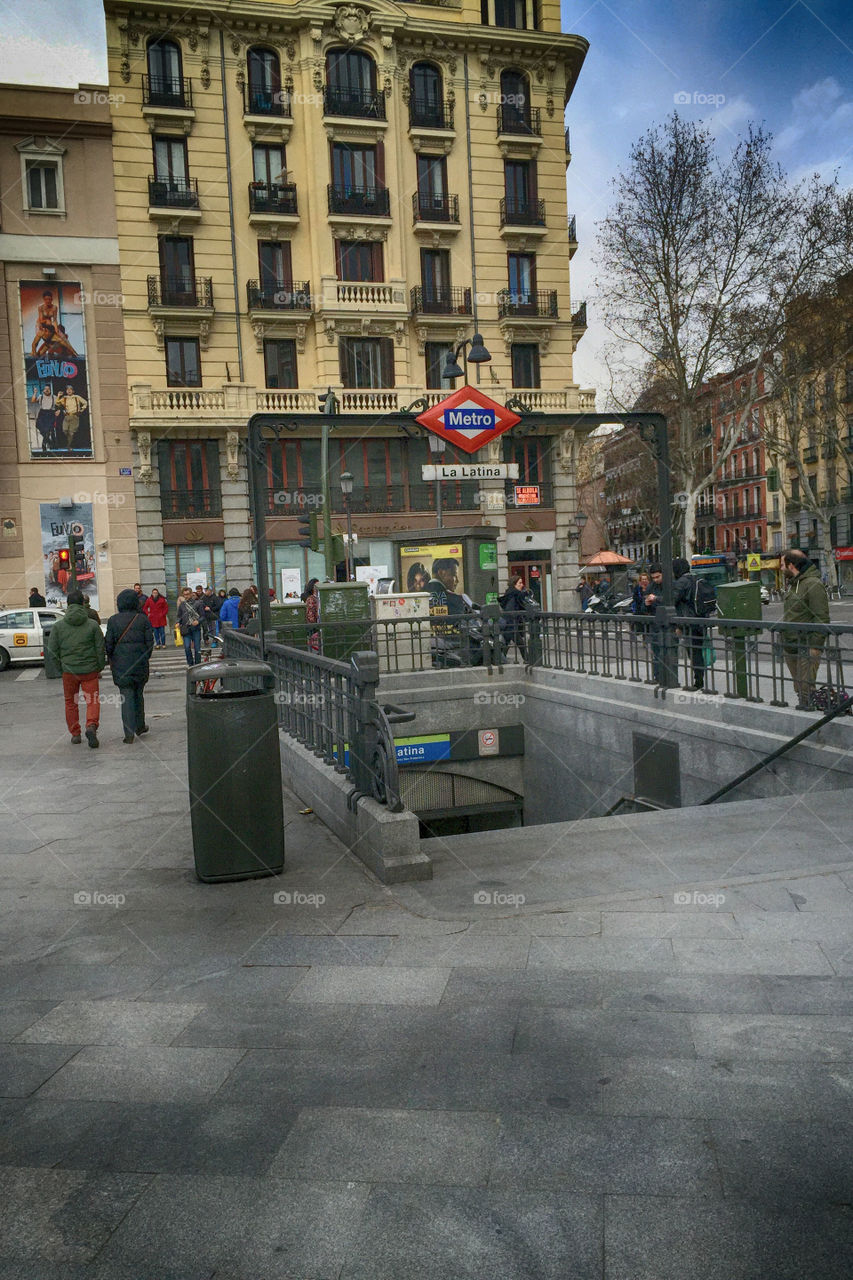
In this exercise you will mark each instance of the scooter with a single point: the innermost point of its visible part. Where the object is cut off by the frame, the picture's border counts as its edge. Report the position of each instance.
(606, 604)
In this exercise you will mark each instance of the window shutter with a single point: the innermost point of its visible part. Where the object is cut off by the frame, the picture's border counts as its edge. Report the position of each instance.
(380, 164)
(386, 348)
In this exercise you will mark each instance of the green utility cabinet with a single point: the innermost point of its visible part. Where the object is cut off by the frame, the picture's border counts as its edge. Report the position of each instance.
(740, 600)
(345, 621)
(288, 622)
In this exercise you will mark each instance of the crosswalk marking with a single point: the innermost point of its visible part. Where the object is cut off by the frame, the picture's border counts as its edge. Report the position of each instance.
(32, 673)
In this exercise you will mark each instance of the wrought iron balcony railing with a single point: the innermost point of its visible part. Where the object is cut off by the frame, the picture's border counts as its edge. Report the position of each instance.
(172, 193)
(289, 295)
(450, 301)
(810, 453)
(528, 302)
(522, 213)
(417, 496)
(265, 102)
(161, 91)
(430, 115)
(573, 230)
(579, 317)
(191, 504)
(273, 197)
(368, 201)
(344, 101)
(521, 120)
(180, 291)
(437, 207)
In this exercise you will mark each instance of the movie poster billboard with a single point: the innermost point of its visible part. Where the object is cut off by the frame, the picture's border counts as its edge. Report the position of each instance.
(58, 410)
(435, 567)
(56, 524)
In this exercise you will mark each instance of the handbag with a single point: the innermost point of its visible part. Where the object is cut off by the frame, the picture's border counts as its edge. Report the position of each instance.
(709, 653)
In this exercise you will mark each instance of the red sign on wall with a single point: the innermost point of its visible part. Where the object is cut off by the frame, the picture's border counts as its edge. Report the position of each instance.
(527, 495)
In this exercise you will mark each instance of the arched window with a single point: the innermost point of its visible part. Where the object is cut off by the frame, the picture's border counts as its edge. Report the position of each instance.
(515, 102)
(426, 106)
(264, 88)
(165, 80)
(351, 84)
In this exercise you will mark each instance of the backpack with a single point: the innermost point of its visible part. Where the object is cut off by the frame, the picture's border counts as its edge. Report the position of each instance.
(704, 599)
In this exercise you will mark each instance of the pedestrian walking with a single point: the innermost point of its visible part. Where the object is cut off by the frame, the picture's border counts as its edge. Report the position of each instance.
(189, 622)
(230, 610)
(156, 610)
(77, 644)
(140, 594)
(312, 612)
(93, 613)
(36, 600)
(684, 599)
(212, 604)
(517, 601)
(246, 608)
(651, 599)
(129, 642)
(806, 601)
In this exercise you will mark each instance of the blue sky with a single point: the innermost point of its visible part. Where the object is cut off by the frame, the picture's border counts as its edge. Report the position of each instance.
(788, 65)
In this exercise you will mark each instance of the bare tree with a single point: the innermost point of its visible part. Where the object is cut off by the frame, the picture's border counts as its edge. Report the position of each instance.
(590, 485)
(700, 262)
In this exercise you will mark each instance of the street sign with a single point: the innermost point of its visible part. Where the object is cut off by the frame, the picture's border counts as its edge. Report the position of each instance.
(470, 471)
(681, 499)
(527, 495)
(468, 419)
(753, 563)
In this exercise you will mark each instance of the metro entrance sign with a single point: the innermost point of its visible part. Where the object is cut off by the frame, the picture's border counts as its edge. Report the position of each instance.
(468, 419)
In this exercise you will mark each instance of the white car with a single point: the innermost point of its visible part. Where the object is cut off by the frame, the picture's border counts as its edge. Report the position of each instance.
(23, 634)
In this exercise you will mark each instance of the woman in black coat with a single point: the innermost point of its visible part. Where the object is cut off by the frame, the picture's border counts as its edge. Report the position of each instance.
(516, 602)
(129, 641)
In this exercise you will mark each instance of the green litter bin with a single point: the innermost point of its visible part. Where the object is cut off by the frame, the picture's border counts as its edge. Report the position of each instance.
(234, 771)
(345, 621)
(52, 668)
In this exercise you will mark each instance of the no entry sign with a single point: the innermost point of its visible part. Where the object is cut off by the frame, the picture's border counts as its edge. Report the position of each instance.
(468, 419)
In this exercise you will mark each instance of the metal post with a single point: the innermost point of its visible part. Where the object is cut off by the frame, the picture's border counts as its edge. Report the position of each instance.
(330, 407)
(257, 510)
(349, 536)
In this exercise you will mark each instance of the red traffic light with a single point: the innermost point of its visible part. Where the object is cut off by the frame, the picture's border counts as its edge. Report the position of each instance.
(64, 557)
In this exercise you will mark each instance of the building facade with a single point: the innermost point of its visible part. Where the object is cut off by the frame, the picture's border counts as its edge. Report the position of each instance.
(316, 195)
(65, 452)
(742, 513)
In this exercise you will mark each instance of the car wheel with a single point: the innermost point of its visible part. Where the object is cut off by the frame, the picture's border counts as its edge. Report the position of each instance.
(4, 659)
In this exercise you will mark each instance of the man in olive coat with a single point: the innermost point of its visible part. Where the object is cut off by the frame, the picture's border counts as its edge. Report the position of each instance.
(77, 644)
(806, 601)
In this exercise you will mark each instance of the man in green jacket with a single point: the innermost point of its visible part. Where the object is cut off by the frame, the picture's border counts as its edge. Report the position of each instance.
(806, 601)
(77, 644)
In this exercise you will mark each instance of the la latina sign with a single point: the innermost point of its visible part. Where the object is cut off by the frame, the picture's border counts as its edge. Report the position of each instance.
(468, 419)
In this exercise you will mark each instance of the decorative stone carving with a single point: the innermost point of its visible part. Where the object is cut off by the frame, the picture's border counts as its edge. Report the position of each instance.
(240, 78)
(203, 333)
(406, 92)
(316, 34)
(400, 333)
(330, 332)
(352, 23)
(549, 105)
(258, 329)
(232, 461)
(143, 444)
(159, 326)
(124, 70)
(317, 79)
(565, 452)
(290, 50)
(205, 76)
(483, 100)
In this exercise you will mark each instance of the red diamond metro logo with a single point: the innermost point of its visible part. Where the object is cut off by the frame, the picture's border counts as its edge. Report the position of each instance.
(468, 419)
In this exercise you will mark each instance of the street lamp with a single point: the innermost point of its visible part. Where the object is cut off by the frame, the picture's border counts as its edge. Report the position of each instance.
(580, 521)
(477, 355)
(437, 445)
(346, 490)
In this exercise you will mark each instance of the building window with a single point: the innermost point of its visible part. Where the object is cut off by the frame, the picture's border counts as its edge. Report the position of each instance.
(508, 13)
(42, 185)
(436, 354)
(183, 364)
(351, 83)
(515, 102)
(521, 275)
(265, 96)
(367, 362)
(274, 265)
(525, 364)
(354, 168)
(41, 175)
(177, 270)
(207, 558)
(165, 76)
(359, 260)
(269, 165)
(426, 104)
(280, 363)
(189, 479)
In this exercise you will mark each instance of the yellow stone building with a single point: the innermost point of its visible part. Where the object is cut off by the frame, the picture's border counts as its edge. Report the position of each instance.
(315, 195)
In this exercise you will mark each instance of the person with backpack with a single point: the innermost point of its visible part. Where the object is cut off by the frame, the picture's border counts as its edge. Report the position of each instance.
(129, 644)
(229, 611)
(693, 598)
(517, 602)
(806, 601)
(189, 622)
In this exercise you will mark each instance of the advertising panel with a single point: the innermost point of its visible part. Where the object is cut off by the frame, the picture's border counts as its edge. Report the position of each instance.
(435, 567)
(56, 524)
(54, 349)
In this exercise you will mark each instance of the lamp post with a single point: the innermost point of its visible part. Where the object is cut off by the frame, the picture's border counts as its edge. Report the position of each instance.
(477, 355)
(437, 445)
(346, 490)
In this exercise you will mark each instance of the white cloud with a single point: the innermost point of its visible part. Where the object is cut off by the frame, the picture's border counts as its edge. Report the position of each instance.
(30, 60)
(819, 109)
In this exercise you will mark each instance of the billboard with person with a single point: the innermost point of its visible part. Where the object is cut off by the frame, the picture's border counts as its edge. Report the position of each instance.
(57, 522)
(57, 387)
(436, 567)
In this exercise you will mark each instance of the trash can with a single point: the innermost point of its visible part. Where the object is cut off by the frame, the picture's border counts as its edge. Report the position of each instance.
(234, 771)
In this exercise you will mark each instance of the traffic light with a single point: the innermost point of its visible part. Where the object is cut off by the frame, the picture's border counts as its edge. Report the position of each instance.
(307, 530)
(65, 559)
(77, 554)
(328, 402)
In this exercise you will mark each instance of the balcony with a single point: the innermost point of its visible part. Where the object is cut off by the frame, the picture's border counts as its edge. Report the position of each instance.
(529, 214)
(573, 241)
(265, 102)
(370, 303)
(846, 494)
(810, 453)
(379, 499)
(747, 477)
(430, 115)
(290, 295)
(438, 208)
(191, 504)
(451, 301)
(168, 101)
(359, 202)
(568, 142)
(534, 303)
(170, 196)
(273, 204)
(579, 318)
(523, 123)
(362, 104)
(183, 291)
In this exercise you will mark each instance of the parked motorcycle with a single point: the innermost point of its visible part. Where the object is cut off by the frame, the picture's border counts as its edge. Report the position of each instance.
(608, 604)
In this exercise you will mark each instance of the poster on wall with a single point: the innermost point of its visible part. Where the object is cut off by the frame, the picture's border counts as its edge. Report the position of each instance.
(56, 524)
(291, 584)
(371, 574)
(435, 567)
(58, 414)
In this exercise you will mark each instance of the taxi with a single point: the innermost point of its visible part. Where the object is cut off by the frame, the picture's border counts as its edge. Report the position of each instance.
(23, 634)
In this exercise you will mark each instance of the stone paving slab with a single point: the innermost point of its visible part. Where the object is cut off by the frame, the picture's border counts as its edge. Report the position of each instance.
(391, 985)
(141, 1073)
(110, 1022)
(63, 1215)
(818, 1037)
